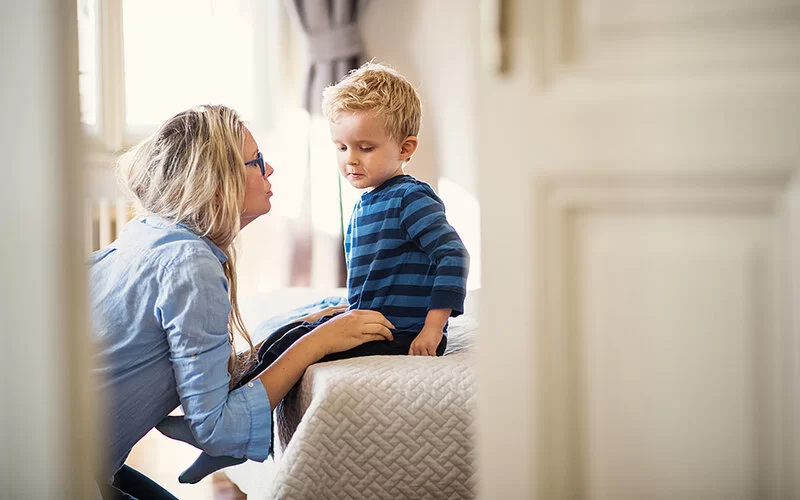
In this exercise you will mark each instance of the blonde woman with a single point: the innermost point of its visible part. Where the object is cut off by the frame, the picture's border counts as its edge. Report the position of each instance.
(164, 305)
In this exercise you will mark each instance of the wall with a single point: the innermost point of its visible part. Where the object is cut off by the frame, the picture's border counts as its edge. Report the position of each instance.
(434, 44)
(435, 49)
(44, 360)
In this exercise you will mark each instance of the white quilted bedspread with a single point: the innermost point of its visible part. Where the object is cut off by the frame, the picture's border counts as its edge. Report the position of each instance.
(381, 427)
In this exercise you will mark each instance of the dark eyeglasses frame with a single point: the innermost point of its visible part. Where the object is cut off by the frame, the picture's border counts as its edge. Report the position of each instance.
(258, 161)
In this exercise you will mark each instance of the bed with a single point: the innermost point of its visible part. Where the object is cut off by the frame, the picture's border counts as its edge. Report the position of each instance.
(377, 427)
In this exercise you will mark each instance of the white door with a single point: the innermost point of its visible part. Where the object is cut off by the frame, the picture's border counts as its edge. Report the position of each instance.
(47, 433)
(640, 196)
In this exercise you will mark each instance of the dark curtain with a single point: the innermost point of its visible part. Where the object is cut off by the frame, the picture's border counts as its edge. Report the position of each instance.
(334, 43)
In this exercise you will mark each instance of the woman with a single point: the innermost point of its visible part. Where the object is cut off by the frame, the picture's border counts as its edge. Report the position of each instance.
(164, 302)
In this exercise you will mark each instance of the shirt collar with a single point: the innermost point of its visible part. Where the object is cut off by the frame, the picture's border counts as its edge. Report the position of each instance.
(397, 179)
(217, 250)
(158, 221)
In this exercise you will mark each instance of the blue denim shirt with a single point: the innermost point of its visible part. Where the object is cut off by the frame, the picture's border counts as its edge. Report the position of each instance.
(160, 307)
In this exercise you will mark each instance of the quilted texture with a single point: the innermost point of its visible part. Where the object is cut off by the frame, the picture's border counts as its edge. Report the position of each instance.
(379, 427)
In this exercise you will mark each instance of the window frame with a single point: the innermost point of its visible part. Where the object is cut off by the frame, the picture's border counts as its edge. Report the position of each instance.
(111, 135)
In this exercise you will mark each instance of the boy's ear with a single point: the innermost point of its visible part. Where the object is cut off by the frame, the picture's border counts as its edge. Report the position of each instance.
(408, 147)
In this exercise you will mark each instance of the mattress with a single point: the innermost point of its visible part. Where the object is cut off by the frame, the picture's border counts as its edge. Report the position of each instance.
(380, 427)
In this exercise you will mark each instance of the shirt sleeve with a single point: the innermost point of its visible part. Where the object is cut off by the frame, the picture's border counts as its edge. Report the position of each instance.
(423, 219)
(193, 307)
(348, 239)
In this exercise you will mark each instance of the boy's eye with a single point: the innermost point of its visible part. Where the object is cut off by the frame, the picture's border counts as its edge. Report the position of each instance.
(341, 148)
(367, 149)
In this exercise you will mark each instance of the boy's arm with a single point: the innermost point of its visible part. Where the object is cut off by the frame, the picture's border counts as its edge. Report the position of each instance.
(423, 219)
(428, 339)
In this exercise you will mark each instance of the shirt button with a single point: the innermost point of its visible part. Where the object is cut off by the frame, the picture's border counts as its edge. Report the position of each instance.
(194, 356)
(250, 384)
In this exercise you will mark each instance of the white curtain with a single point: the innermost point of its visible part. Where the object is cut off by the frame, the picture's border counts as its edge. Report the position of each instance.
(299, 243)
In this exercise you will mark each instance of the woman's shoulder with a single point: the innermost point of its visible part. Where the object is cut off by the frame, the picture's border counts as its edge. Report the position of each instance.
(164, 245)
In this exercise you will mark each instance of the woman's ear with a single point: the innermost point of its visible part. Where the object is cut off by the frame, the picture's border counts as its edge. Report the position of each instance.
(408, 147)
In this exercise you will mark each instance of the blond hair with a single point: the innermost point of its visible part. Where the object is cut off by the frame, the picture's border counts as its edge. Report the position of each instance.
(379, 89)
(191, 172)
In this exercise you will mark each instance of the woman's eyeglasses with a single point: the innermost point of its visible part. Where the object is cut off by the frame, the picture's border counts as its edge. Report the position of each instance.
(260, 162)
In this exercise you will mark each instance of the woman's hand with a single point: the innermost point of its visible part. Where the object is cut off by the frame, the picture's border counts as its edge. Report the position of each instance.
(328, 311)
(351, 329)
(342, 332)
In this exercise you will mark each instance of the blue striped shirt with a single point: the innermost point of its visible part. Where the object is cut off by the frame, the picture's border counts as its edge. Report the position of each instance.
(403, 257)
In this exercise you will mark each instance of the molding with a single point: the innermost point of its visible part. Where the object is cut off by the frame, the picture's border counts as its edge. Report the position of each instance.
(556, 38)
(647, 191)
(738, 41)
(557, 198)
(112, 75)
(726, 19)
(792, 222)
(494, 36)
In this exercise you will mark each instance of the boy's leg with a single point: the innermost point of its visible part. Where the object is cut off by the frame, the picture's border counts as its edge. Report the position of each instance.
(270, 352)
(277, 334)
(205, 464)
(397, 347)
(442, 346)
(264, 357)
(132, 482)
(177, 428)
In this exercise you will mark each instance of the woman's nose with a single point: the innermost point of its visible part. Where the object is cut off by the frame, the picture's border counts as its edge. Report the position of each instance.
(268, 170)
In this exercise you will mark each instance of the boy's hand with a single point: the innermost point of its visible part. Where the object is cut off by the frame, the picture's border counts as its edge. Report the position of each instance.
(426, 342)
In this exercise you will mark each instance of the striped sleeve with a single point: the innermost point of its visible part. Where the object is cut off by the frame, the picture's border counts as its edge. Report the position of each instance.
(423, 220)
(348, 240)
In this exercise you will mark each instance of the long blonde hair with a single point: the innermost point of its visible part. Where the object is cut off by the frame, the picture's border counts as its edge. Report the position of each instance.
(191, 171)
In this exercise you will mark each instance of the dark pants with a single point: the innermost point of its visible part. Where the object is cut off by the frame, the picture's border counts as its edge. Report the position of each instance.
(281, 339)
(130, 484)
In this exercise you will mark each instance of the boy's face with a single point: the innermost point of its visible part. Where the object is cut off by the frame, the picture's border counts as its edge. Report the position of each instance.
(367, 156)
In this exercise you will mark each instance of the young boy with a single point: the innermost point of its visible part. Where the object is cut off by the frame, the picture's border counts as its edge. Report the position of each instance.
(403, 258)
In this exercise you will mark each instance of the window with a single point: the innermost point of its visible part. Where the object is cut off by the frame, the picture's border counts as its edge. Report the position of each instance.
(142, 61)
(191, 52)
(87, 76)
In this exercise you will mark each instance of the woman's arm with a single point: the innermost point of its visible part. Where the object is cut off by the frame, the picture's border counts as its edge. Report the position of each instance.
(341, 333)
(193, 308)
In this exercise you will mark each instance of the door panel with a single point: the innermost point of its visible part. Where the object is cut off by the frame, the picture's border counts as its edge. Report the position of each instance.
(670, 326)
(662, 369)
(638, 165)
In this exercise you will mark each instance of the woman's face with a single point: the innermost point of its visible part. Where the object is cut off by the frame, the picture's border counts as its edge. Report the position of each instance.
(257, 188)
